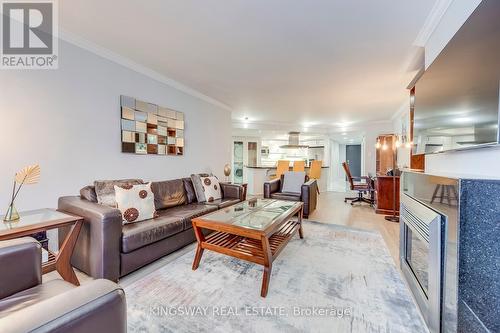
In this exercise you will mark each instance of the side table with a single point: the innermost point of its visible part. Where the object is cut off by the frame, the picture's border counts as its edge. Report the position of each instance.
(42, 220)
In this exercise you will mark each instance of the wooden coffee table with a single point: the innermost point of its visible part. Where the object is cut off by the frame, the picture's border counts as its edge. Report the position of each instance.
(253, 232)
(42, 220)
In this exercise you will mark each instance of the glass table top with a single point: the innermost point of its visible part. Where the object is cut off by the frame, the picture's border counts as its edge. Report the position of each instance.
(33, 217)
(254, 216)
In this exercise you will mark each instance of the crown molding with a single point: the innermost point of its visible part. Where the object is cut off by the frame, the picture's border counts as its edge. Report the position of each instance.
(432, 21)
(130, 64)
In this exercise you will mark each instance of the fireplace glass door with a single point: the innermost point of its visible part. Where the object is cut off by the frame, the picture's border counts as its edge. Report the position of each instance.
(417, 257)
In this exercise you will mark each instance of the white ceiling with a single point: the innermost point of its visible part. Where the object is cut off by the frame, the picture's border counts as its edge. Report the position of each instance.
(303, 62)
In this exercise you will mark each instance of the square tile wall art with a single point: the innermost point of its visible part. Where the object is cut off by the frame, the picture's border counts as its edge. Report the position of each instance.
(150, 129)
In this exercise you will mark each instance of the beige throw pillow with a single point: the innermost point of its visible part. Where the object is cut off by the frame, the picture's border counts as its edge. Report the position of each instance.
(136, 202)
(211, 188)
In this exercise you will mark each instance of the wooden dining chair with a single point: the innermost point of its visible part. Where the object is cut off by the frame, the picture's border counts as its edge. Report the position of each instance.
(299, 166)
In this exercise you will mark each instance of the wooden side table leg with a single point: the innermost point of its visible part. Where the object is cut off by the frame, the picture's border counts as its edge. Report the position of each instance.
(301, 233)
(63, 259)
(268, 265)
(199, 250)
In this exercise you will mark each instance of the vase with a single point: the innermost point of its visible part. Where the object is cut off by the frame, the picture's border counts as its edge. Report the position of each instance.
(11, 214)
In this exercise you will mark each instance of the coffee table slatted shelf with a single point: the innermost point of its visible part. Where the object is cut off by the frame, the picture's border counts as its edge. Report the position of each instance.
(248, 248)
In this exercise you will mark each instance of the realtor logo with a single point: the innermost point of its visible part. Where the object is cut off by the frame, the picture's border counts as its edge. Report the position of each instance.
(29, 35)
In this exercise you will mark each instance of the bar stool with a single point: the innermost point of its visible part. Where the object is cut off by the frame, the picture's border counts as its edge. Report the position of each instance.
(282, 166)
(444, 190)
(315, 170)
(299, 166)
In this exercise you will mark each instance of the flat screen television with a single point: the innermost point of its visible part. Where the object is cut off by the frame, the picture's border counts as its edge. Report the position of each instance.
(457, 98)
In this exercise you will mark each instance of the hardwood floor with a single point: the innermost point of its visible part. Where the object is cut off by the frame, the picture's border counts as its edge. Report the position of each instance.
(331, 209)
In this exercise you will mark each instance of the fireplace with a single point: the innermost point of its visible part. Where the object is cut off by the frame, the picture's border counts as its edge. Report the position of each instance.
(422, 257)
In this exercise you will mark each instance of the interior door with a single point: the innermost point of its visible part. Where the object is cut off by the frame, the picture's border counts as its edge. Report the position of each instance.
(353, 158)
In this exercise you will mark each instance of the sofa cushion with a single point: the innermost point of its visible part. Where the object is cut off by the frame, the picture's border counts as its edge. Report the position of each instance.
(286, 196)
(223, 203)
(33, 295)
(189, 188)
(169, 193)
(135, 202)
(137, 235)
(88, 193)
(211, 188)
(198, 188)
(188, 212)
(105, 190)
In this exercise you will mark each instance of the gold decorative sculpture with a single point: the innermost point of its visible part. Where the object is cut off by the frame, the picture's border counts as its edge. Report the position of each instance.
(28, 175)
(227, 171)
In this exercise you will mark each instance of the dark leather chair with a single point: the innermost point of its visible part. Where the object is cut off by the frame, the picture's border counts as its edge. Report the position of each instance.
(28, 305)
(309, 193)
(356, 185)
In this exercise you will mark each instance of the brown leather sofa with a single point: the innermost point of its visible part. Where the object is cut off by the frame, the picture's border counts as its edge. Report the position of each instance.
(309, 193)
(108, 249)
(28, 305)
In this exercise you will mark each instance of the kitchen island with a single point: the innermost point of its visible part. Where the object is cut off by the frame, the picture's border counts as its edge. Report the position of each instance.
(255, 176)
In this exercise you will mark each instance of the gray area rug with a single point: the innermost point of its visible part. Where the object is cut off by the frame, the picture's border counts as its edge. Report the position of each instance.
(336, 279)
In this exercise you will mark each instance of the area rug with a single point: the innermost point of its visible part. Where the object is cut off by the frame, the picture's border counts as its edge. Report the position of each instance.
(336, 279)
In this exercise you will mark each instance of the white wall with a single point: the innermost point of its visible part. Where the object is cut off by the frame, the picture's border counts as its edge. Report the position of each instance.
(336, 173)
(68, 121)
(478, 162)
(402, 120)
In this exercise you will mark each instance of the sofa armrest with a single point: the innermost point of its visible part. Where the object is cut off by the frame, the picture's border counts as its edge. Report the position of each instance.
(309, 196)
(97, 251)
(233, 191)
(271, 187)
(20, 265)
(97, 306)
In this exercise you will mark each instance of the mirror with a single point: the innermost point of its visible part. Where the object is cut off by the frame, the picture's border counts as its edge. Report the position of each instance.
(457, 98)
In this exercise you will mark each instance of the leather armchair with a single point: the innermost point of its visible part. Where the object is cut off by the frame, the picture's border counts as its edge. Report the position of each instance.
(309, 193)
(27, 305)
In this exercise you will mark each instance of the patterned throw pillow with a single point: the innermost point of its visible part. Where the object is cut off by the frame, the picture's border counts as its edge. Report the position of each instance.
(211, 188)
(105, 189)
(136, 202)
